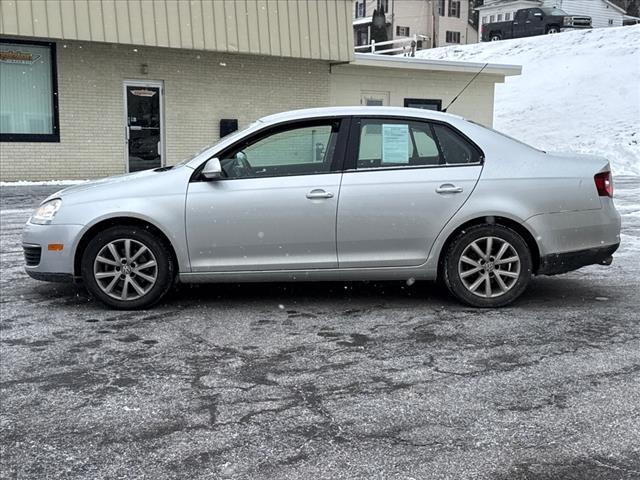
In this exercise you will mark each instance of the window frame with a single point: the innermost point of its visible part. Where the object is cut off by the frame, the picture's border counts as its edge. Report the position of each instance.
(451, 36)
(424, 101)
(454, 8)
(362, 33)
(351, 157)
(53, 137)
(336, 164)
(407, 29)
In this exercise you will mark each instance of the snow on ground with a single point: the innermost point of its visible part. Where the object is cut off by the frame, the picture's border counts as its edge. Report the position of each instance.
(578, 91)
(28, 183)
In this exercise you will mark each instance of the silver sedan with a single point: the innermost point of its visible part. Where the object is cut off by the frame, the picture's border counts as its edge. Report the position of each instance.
(344, 193)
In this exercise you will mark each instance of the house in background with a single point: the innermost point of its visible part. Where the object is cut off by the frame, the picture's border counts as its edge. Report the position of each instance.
(603, 13)
(432, 23)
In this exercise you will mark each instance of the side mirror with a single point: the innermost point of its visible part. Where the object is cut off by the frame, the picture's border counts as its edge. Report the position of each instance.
(212, 170)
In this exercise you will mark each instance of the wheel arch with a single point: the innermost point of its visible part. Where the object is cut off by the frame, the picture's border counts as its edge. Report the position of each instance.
(117, 222)
(514, 225)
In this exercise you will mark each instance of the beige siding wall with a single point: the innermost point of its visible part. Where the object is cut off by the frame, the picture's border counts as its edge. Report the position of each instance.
(348, 82)
(415, 14)
(454, 24)
(316, 29)
(200, 89)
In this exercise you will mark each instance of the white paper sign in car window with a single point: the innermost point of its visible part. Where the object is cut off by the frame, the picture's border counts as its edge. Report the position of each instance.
(395, 143)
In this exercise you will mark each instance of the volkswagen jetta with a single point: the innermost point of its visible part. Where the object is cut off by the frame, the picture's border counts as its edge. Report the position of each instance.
(344, 193)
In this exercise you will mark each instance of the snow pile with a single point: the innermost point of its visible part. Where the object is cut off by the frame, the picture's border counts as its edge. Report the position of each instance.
(578, 91)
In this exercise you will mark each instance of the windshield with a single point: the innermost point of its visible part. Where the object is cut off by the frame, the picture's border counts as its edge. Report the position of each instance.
(232, 136)
(554, 11)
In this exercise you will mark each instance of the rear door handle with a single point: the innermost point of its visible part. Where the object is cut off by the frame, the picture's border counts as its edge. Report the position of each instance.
(318, 193)
(448, 188)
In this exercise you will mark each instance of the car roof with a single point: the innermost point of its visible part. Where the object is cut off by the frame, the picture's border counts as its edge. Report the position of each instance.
(310, 113)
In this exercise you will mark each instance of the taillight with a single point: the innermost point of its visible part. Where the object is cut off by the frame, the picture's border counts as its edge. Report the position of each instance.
(604, 184)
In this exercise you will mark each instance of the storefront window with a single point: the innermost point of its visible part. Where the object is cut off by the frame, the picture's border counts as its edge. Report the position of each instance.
(28, 92)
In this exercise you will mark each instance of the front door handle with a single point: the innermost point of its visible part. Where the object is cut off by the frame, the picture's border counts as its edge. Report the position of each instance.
(448, 188)
(318, 193)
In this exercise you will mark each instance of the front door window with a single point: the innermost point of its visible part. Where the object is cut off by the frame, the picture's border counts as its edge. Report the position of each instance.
(296, 151)
(144, 142)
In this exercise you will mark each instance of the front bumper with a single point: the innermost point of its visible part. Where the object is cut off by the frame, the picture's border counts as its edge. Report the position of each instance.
(557, 263)
(53, 265)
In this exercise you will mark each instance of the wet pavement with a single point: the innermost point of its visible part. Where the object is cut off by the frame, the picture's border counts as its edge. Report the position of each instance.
(327, 380)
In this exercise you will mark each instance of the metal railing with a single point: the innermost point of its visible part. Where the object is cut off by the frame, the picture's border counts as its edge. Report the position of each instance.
(407, 45)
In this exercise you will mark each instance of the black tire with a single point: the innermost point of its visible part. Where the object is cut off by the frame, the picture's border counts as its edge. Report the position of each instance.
(453, 262)
(495, 37)
(164, 269)
(553, 30)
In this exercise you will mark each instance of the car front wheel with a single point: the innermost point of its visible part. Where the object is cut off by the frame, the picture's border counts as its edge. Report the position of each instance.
(487, 266)
(553, 30)
(127, 268)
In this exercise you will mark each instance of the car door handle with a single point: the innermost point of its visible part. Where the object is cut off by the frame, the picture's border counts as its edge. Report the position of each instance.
(318, 193)
(448, 188)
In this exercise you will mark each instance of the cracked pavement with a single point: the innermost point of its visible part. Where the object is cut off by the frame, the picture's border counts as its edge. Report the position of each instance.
(328, 380)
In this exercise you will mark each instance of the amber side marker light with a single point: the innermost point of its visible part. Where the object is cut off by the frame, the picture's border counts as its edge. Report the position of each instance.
(55, 247)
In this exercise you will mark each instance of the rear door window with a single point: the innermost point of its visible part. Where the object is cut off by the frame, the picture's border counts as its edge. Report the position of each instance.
(385, 143)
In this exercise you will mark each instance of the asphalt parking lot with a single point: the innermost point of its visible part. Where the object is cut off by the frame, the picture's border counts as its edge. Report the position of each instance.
(283, 381)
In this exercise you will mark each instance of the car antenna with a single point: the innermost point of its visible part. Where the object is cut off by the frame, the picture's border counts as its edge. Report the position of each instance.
(470, 82)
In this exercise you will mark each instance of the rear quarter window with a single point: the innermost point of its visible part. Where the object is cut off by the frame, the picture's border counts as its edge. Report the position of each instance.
(455, 148)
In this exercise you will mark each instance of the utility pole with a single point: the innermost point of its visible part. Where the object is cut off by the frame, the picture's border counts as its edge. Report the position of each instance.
(436, 22)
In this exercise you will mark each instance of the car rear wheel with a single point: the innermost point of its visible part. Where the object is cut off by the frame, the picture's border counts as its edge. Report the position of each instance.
(487, 266)
(127, 268)
(495, 37)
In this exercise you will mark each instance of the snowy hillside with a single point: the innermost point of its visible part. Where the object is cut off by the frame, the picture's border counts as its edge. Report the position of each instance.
(578, 91)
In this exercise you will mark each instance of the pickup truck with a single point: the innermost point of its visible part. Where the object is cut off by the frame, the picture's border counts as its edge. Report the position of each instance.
(528, 22)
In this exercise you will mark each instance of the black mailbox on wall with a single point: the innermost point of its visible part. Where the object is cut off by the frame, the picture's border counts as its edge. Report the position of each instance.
(227, 126)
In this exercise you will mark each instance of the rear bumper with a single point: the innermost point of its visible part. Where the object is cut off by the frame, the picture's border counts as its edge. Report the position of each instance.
(575, 231)
(557, 263)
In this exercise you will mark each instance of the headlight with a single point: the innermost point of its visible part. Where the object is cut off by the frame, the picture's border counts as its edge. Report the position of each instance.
(568, 20)
(45, 213)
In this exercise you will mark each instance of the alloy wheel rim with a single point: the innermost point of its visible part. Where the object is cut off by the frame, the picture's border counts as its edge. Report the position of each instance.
(125, 269)
(489, 267)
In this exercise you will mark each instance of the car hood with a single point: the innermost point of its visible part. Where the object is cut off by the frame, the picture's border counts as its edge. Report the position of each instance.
(106, 183)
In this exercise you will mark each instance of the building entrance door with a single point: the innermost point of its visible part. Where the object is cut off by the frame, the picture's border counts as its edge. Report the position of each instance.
(143, 125)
